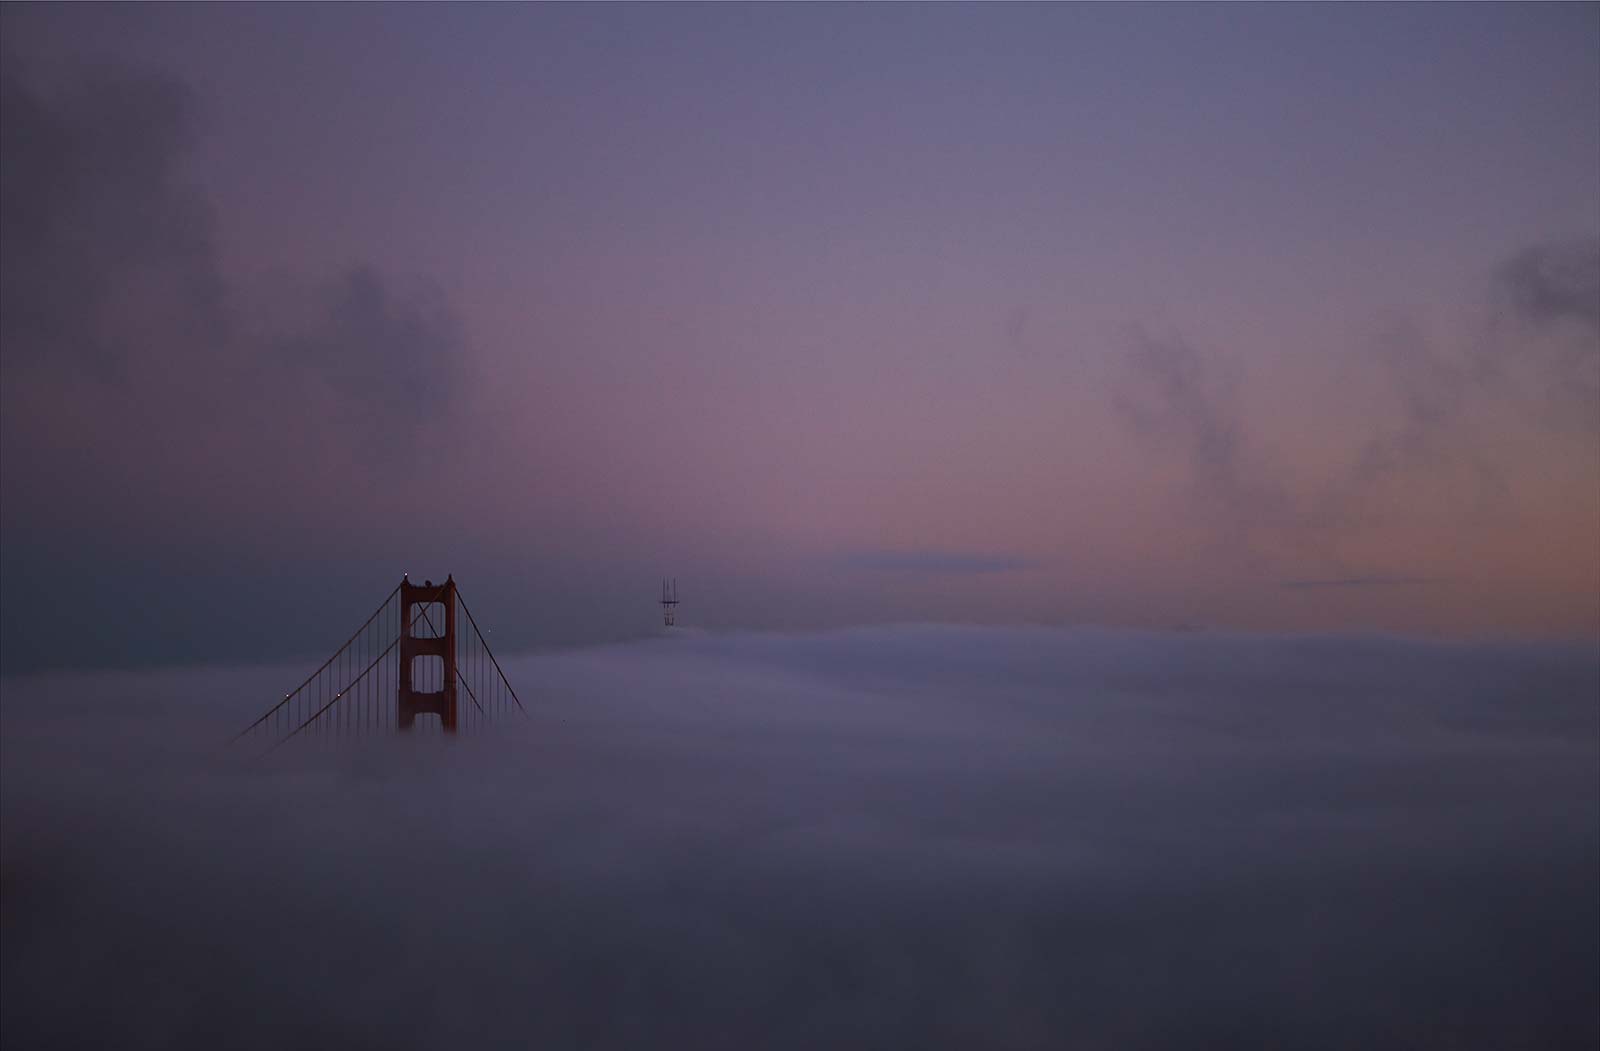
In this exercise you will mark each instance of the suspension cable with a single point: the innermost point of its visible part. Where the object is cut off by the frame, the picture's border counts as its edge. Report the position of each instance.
(288, 696)
(485, 644)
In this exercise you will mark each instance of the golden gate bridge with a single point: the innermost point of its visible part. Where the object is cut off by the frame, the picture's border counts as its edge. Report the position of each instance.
(408, 667)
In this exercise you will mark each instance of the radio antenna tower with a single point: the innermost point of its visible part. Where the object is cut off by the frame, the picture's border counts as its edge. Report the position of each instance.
(669, 602)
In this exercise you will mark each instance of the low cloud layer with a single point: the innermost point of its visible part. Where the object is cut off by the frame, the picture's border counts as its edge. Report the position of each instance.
(928, 837)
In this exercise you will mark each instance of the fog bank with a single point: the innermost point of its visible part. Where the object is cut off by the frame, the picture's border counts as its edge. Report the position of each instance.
(913, 836)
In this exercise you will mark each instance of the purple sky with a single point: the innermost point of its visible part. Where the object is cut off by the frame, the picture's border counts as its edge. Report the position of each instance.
(1272, 317)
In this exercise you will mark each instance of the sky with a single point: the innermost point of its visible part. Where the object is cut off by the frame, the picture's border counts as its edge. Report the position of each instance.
(907, 836)
(1260, 318)
(1132, 475)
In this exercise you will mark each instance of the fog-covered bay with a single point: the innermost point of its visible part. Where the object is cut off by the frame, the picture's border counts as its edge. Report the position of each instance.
(896, 837)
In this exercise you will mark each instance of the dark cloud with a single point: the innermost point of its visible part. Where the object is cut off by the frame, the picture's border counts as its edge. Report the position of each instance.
(1546, 335)
(149, 406)
(111, 275)
(935, 562)
(105, 252)
(1558, 281)
(1549, 377)
(388, 361)
(928, 837)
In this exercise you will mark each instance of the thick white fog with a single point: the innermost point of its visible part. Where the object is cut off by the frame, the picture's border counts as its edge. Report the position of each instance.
(896, 837)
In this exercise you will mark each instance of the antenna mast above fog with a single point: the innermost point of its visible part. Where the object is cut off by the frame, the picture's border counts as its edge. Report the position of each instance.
(669, 601)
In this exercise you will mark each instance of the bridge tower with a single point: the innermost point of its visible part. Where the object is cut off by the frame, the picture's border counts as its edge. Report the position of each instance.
(410, 701)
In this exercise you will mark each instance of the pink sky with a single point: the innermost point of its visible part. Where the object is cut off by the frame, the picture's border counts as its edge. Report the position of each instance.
(1262, 318)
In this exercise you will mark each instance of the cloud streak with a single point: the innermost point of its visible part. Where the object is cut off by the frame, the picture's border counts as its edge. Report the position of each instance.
(935, 562)
(1352, 583)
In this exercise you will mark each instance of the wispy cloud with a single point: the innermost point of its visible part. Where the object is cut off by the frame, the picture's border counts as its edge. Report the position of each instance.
(1420, 422)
